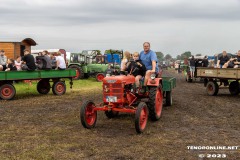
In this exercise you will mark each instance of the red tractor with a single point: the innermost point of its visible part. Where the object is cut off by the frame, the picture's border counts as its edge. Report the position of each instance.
(119, 95)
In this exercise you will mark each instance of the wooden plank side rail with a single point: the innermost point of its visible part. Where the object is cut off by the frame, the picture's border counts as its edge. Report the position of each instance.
(228, 73)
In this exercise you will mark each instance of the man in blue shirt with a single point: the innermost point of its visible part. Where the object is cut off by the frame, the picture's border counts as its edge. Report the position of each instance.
(149, 59)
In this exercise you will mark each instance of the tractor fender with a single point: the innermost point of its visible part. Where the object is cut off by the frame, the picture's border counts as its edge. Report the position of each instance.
(154, 82)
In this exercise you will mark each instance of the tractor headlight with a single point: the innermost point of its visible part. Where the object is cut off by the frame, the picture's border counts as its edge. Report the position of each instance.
(153, 76)
(107, 75)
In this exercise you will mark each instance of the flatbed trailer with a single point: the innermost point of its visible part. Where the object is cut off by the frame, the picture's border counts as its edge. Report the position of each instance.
(44, 77)
(213, 75)
(168, 84)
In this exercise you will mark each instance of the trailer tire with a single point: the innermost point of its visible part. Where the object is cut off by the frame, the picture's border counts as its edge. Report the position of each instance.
(234, 88)
(7, 91)
(59, 88)
(155, 102)
(79, 72)
(168, 98)
(43, 86)
(141, 117)
(111, 114)
(88, 117)
(212, 88)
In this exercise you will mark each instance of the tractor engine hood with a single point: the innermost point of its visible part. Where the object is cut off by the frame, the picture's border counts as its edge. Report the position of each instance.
(129, 79)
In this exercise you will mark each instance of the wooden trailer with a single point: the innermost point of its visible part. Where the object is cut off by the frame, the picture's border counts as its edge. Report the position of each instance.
(13, 48)
(213, 75)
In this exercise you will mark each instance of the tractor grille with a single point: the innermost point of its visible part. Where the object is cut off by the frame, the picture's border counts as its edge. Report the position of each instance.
(113, 89)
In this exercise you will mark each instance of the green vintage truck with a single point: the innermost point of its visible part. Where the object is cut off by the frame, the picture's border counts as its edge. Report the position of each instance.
(44, 77)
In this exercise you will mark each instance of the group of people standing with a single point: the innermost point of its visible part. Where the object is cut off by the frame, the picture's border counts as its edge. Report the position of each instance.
(141, 64)
(29, 63)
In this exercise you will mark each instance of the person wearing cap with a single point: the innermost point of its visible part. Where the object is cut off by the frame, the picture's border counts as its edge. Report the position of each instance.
(3, 61)
(28, 61)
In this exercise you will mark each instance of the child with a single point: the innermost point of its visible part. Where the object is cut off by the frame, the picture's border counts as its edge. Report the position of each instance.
(137, 69)
(126, 58)
(18, 63)
(10, 65)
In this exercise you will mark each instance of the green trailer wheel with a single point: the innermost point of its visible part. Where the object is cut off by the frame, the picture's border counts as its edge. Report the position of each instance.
(59, 88)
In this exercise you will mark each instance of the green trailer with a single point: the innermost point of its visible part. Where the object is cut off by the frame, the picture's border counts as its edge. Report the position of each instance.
(44, 77)
(168, 84)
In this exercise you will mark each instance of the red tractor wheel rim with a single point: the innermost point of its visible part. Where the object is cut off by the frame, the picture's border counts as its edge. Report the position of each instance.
(158, 102)
(143, 118)
(60, 88)
(77, 73)
(100, 77)
(90, 114)
(7, 92)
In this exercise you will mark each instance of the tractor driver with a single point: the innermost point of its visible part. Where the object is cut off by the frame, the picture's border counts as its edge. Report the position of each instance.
(149, 59)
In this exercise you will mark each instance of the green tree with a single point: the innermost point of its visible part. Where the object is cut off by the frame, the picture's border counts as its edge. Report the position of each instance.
(186, 54)
(168, 57)
(160, 56)
(178, 57)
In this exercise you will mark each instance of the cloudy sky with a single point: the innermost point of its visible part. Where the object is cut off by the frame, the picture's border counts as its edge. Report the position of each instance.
(171, 26)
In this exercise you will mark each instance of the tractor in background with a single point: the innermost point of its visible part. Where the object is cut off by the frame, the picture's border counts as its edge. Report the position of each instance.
(91, 63)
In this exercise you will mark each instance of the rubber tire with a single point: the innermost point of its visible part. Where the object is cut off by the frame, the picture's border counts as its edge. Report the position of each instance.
(83, 115)
(141, 106)
(213, 86)
(43, 86)
(111, 114)
(151, 104)
(234, 88)
(55, 88)
(99, 74)
(168, 98)
(80, 70)
(9, 86)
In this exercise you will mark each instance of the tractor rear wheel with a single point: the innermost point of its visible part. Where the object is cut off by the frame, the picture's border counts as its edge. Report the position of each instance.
(234, 88)
(141, 117)
(212, 88)
(99, 77)
(88, 116)
(7, 91)
(79, 72)
(111, 114)
(168, 98)
(43, 86)
(155, 102)
(59, 88)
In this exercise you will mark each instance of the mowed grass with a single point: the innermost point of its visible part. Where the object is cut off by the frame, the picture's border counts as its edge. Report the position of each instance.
(29, 89)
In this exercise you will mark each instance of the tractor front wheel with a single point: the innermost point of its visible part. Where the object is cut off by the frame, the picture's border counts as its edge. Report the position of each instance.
(7, 91)
(155, 102)
(59, 88)
(212, 88)
(141, 117)
(99, 77)
(87, 115)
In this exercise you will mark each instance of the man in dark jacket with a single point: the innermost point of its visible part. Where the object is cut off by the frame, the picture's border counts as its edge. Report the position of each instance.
(28, 60)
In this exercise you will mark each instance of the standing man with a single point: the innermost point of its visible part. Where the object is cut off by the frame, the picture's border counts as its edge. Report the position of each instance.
(3, 61)
(149, 59)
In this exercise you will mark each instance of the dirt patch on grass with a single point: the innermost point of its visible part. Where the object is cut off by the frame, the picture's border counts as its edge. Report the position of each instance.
(48, 127)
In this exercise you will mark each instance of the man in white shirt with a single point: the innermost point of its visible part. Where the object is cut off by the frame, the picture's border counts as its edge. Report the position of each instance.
(61, 65)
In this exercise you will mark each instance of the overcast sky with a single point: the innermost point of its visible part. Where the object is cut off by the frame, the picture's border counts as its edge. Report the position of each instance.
(171, 26)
